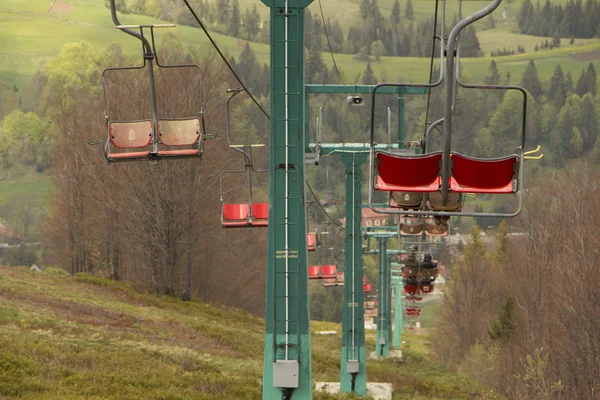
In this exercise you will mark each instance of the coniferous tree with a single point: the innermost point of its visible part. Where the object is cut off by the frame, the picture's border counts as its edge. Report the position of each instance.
(365, 9)
(223, 11)
(369, 76)
(557, 81)
(590, 80)
(589, 120)
(234, 25)
(494, 77)
(409, 13)
(531, 81)
(580, 88)
(395, 17)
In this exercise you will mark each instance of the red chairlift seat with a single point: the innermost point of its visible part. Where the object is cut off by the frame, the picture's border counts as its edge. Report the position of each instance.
(329, 282)
(260, 214)
(340, 278)
(130, 135)
(314, 272)
(427, 288)
(415, 173)
(235, 214)
(311, 241)
(328, 271)
(494, 175)
(411, 289)
(179, 133)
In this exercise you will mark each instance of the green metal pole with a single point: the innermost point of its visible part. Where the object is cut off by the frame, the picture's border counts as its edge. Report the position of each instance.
(353, 368)
(398, 310)
(401, 119)
(382, 342)
(388, 286)
(287, 352)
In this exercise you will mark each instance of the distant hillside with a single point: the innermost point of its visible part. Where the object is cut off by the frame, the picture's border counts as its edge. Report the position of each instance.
(32, 32)
(64, 337)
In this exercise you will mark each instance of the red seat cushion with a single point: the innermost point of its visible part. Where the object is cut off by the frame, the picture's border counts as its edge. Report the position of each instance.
(131, 155)
(471, 175)
(367, 287)
(328, 271)
(260, 210)
(235, 213)
(175, 153)
(313, 272)
(419, 173)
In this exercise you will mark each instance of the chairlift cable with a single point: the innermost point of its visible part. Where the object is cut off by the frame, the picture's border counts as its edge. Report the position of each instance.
(224, 59)
(323, 209)
(435, 19)
(329, 45)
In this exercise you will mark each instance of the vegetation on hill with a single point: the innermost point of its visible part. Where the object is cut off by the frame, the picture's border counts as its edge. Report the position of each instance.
(519, 317)
(63, 337)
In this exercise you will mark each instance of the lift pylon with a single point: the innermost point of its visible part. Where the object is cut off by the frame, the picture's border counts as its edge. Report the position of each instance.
(398, 310)
(353, 369)
(287, 352)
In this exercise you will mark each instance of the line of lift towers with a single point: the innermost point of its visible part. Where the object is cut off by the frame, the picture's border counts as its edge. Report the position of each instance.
(422, 184)
(287, 348)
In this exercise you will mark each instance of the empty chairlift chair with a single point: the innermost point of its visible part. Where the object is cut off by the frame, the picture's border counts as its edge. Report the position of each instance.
(152, 111)
(235, 215)
(260, 214)
(179, 137)
(314, 272)
(495, 176)
(408, 173)
(248, 213)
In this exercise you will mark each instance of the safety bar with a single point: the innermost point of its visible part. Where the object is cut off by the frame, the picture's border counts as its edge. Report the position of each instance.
(145, 26)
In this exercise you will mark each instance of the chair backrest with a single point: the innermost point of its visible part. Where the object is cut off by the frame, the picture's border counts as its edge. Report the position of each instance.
(483, 175)
(409, 171)
(313, 272)
(328, 271)
(436, 230)
(179, 132)
(454, 202)
(406, 229)
(311, 240)
(133, 135)
(406, 199)
(260, 210)
(235, 212)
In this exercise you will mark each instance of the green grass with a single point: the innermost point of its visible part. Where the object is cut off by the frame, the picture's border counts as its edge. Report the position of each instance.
(30, 186)
(71, 337)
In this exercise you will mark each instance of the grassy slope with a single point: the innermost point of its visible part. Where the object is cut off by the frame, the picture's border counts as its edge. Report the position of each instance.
(30, 36)
(65, 337)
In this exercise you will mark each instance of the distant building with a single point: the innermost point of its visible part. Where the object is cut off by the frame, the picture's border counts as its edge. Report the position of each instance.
(371, 218)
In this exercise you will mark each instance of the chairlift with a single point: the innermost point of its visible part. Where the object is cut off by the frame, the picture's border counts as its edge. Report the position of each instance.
(446, 172)
(411, 227)
(242, 214)
(160, 131)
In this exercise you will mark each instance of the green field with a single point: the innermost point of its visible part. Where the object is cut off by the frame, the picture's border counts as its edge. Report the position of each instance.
(64, 338)
(30, 35)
